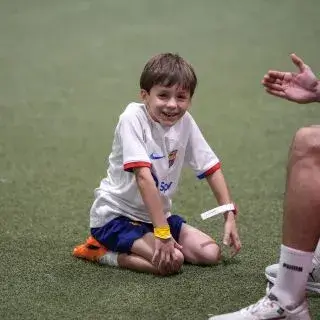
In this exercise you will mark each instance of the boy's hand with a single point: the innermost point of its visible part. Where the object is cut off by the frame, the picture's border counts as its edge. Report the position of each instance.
(165, 258)
(231, 237)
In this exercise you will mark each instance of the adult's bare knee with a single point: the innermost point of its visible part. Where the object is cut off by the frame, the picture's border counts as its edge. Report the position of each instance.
(306, 143)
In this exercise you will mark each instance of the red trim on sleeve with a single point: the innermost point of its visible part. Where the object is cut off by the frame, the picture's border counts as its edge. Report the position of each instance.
(137, 164)
(210, 171)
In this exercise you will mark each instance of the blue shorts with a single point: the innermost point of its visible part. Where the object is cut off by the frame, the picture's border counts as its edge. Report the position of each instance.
(120, 233)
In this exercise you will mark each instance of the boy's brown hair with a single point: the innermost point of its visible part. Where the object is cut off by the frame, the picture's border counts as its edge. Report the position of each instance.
(168, 69)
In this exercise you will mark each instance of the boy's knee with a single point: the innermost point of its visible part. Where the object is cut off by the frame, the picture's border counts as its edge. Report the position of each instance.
(306, 142)
(210, 255)
(179, 260)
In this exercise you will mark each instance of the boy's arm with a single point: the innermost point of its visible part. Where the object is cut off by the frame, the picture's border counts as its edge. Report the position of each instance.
(136, 159)
(164, 257)
(219, 187)
(150, 196)
(220, 190)
(206, 164)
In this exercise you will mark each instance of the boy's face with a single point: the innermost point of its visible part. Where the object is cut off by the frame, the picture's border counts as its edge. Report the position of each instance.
(166, 105)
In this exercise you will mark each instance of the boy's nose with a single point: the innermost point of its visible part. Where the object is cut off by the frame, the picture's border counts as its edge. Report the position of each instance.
(172, 103)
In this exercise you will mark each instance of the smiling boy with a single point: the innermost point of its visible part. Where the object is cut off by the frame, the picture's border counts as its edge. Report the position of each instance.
(131, 221)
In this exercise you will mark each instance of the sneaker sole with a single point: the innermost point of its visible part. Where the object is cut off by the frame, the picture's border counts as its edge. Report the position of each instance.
(313, 287)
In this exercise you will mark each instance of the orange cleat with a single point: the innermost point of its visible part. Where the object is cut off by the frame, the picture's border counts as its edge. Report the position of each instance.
(92, 250)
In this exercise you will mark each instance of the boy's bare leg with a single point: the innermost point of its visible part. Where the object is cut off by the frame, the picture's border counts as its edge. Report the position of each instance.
(137, 263)
(141, 257)
(144, 248)
(198, 247)
(139, 260)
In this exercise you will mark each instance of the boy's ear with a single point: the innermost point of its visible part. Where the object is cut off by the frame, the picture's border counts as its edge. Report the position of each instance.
(144, 95)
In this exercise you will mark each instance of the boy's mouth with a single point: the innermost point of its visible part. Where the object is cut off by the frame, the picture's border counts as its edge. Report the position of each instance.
(170, 115)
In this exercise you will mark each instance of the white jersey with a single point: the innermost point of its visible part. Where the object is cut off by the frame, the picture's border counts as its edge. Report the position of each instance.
(139, 141)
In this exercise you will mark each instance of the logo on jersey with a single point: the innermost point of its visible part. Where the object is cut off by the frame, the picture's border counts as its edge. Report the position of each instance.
(164, 186)
(172, 157)
(156, 156)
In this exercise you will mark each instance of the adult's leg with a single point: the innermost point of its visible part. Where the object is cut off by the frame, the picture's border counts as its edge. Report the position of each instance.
(301, 232)
(301, 219)
(301, 225)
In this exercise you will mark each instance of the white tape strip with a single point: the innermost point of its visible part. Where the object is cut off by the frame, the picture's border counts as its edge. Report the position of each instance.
(213, 212)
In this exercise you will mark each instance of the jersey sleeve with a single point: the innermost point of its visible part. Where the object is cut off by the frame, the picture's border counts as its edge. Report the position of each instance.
(199, 155)
(132, 137)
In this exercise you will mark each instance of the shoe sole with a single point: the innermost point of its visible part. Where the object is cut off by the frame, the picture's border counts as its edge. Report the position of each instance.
(313, 287)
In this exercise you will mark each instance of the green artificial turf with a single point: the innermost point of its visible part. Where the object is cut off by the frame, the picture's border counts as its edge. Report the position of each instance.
(67, 70)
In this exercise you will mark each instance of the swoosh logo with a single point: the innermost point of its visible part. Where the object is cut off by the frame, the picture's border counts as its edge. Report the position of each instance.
(155, 156)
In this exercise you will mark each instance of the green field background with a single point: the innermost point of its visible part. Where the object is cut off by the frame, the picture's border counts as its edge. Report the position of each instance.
(67, 70)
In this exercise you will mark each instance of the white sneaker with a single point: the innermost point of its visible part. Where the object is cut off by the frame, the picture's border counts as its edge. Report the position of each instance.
(268, 308)
(313, 283)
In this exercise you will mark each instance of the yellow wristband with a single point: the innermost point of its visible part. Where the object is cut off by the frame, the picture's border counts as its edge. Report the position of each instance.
(162, 232)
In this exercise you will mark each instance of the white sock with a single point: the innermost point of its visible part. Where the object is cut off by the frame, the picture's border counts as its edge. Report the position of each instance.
(110, 258)
(294, 268)
(316, 257)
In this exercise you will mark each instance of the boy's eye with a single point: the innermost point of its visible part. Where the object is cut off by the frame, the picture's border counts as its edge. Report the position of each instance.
(182, 97)
(163, 95)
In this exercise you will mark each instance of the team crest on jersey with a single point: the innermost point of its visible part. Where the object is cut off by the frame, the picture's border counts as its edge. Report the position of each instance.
(172, 157)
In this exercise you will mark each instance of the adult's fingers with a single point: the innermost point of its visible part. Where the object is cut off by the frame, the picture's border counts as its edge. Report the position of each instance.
(269, 79)
(274, 86)
(275, 74)
(276, 93)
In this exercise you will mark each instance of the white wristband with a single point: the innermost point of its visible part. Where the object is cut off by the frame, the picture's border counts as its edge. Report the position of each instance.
(222, 209)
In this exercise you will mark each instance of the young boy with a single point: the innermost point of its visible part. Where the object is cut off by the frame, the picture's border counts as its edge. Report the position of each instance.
(130, 219)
